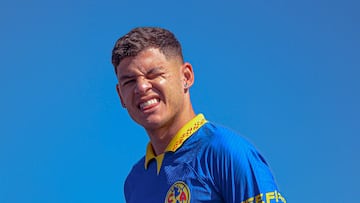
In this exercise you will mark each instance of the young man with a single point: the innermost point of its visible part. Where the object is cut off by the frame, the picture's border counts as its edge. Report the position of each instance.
(188, 158)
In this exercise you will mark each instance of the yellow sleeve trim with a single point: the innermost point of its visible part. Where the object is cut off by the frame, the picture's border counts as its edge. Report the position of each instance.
(268, 197)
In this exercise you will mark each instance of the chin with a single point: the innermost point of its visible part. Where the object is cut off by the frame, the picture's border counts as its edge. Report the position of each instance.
(150, 121)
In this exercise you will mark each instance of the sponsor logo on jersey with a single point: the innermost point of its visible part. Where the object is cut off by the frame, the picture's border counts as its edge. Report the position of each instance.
(178, 193)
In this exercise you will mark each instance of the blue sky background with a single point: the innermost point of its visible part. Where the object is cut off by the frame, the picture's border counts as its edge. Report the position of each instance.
(284, 74)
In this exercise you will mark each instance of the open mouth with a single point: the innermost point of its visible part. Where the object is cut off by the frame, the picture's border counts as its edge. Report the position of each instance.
(148, 104)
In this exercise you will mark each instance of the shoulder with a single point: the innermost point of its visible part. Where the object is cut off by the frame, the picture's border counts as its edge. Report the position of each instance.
(235, 165)
(221, 137)
(225, 145)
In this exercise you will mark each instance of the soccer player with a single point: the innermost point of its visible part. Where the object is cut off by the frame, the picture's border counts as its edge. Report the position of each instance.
(188, 158)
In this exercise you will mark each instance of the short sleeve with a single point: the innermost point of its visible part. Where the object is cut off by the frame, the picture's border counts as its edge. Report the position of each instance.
(240, 173)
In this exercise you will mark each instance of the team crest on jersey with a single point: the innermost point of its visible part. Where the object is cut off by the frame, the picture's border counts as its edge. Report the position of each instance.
(178, 193)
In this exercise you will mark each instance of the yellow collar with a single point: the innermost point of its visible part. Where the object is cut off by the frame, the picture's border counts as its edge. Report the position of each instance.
(183, 134)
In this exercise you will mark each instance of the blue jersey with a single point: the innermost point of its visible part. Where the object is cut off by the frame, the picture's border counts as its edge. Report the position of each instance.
(203, 163)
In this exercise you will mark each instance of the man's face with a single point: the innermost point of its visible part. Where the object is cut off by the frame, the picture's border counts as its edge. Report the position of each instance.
(151, 88)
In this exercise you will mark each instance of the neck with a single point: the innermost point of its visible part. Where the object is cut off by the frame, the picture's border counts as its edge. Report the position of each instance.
(161, 137)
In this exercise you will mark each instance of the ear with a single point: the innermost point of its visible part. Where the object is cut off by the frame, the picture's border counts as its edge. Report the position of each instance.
(119, 94)
(188, 75)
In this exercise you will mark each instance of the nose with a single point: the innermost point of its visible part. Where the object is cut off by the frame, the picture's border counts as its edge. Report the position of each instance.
(142, 85)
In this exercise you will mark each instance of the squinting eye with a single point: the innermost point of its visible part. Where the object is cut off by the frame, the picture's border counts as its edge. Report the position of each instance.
(154, 75)
(126, 82)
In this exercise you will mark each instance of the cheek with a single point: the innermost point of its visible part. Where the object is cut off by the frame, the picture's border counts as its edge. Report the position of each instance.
(174, 90)
(169, 85)
(162, 81)
(125, 95)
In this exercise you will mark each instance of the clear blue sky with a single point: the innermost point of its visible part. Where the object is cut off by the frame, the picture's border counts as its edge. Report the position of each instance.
(283, 74)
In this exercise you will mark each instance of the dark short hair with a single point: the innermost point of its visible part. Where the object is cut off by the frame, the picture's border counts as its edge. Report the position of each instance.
(141, 38)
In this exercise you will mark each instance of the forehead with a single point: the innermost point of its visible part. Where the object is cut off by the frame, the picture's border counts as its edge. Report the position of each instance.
(146, 59)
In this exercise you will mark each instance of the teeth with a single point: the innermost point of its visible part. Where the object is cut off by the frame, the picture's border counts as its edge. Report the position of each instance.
(147, 103)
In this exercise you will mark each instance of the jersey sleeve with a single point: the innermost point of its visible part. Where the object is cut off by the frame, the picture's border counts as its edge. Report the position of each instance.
(241, 173)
